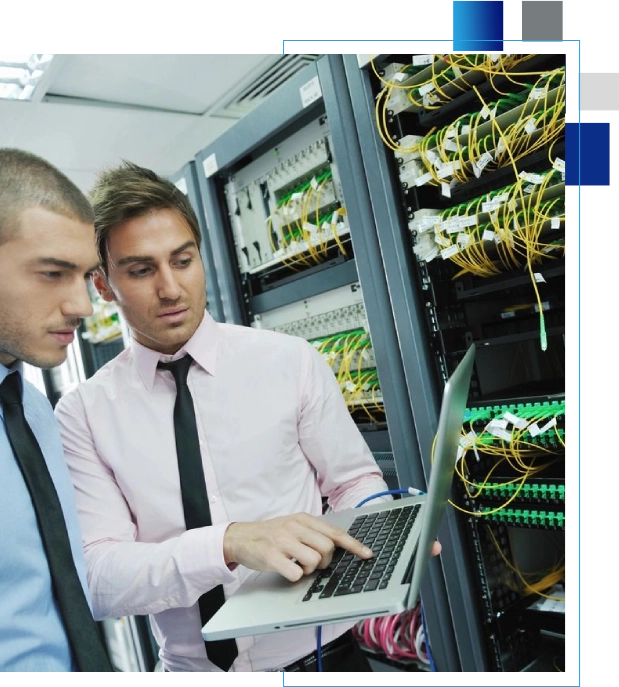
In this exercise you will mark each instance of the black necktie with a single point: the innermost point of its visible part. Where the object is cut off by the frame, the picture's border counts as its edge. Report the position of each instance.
(195, 500)
(86, 645)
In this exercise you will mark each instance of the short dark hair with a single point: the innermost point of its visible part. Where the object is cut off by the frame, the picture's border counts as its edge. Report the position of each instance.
(130, 191)
(29, 181)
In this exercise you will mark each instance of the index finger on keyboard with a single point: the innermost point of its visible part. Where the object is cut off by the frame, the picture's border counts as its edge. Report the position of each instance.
(345, 541)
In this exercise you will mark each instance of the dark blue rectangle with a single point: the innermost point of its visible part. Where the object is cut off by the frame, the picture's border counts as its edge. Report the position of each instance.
(595, 154)
(572, 155)
(478, 26)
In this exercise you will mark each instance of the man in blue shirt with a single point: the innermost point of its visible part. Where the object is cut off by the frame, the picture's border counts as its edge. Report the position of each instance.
(47, 252)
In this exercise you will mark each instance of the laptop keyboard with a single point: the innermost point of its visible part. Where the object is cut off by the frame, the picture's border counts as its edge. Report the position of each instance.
(385, 533)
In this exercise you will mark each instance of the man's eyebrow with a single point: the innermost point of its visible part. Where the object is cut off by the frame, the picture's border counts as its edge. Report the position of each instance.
(64, 264)
(149, 258)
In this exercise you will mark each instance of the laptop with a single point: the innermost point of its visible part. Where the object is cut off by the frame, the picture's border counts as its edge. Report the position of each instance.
(401, 534)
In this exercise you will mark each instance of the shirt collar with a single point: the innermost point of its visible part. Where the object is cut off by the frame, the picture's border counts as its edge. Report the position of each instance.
(202, 347)
(4, 371)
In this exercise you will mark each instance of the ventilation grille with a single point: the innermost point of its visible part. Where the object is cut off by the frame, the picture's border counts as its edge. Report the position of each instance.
(258, 87)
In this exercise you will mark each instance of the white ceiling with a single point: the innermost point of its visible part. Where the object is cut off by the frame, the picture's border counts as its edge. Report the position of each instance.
(155, 110)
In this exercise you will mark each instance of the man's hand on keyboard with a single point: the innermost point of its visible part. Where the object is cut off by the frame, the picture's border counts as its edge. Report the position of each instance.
(292, 545)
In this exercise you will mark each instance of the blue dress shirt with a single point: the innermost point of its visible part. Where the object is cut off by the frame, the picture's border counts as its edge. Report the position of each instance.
(32, 636)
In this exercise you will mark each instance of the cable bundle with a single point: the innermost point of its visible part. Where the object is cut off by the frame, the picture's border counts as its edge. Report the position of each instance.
(399, 637)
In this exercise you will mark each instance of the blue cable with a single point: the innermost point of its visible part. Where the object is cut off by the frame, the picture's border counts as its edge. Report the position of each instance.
(427, 641)
(382, 493)
(411, 490)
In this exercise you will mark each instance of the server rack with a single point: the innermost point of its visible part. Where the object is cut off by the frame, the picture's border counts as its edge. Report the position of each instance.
(436, 316)
(240, 181)
(310, 108)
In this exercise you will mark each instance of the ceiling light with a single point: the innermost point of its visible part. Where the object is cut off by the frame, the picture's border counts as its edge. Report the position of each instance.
(20, 75)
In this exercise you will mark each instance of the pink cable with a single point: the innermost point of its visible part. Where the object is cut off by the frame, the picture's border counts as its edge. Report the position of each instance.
(393, 635)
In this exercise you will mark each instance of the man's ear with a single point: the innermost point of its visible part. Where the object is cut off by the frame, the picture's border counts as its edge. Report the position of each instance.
(100, 281)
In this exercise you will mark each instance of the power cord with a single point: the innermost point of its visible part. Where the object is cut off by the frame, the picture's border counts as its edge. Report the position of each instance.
(390, 492)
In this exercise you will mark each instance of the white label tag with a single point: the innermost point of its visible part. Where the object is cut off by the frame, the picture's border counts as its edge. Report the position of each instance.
(559, 164)
(433, 157)
(468, 221)
(463, 239)
(445, 170)
(484, 160)
(210, 165)
(518, 422)
(530, 126)
(548, 425)
(537, 93)
(450, 252)
(534, 429)
(501, 434)
(445, 189)
(441, 240)
(310, 92)
(451, 225)
(490, 205)
(555, 223)
(426, 88)
(423, 179)
(418, 60)
(532, 178)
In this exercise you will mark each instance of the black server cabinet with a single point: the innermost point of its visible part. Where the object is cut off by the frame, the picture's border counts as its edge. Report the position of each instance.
(466, 178)
(295, 248)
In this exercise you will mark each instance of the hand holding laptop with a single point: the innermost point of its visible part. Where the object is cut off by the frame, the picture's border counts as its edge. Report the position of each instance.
(402, 534)
(291, 545)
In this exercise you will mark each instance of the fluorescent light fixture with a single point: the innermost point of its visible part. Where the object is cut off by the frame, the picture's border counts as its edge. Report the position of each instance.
(20, 75)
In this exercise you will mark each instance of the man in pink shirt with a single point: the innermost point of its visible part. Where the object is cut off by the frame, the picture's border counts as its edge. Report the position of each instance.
(275, 438)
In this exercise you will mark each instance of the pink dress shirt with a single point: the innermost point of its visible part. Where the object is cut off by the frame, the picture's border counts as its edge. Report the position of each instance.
(275, 435)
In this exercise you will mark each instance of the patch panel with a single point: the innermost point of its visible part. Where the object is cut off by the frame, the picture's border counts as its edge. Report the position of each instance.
(335, 323)
(285, 207)
(430, 81)
(526, 518)
(532, 207)
(531, 492)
